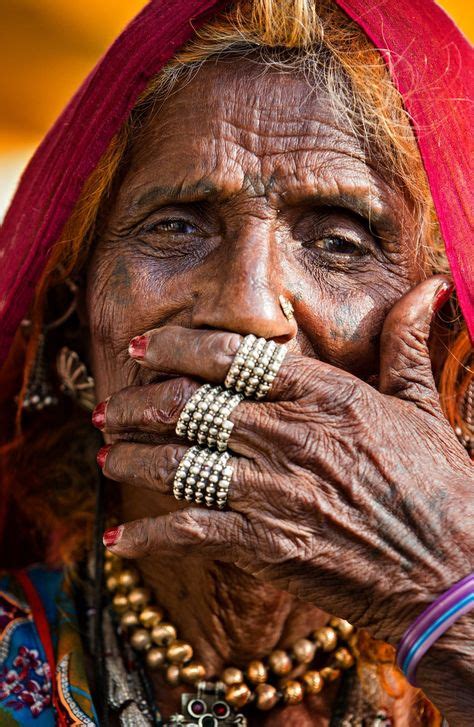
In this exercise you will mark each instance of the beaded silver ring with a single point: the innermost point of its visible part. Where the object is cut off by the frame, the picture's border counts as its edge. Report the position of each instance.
(255, 367)
(203, 476)
(205, 417)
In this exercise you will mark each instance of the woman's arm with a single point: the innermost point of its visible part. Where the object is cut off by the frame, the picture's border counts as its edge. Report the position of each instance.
(446, 673)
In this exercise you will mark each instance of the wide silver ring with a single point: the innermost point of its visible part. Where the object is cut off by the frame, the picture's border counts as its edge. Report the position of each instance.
(203, 476)
(255, 367)
(205, 417)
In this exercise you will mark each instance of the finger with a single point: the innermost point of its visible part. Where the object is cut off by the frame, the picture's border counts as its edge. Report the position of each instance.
(405, 366)
(150, 408)
(191, 532)
(153, 467)
(156, 408)
(208, 355)
(143, 465)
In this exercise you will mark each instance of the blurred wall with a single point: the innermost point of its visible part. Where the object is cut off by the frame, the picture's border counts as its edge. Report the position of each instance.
(48, 46)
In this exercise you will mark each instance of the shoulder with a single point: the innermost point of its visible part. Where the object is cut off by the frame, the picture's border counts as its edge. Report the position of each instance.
(39, 640)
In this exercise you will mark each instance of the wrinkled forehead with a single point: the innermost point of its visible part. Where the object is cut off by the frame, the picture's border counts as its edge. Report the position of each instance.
(239, 130)
(246, 120)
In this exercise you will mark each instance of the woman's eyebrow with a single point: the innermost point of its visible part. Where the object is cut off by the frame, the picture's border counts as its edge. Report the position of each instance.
(361, 198)
(166, 194)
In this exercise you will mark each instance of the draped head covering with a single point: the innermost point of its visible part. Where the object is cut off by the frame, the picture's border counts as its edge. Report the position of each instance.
(430, 62)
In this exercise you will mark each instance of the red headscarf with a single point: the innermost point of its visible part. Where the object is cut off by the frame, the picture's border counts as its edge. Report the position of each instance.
(430, 61)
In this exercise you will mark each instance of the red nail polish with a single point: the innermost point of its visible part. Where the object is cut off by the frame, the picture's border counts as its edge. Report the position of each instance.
(138, 346)
(112, 536)
(102, 455)
(98, 415)
(442, 295)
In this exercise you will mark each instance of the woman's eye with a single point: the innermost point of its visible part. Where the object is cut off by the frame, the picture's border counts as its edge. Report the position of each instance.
(339, 246)
(178, 226)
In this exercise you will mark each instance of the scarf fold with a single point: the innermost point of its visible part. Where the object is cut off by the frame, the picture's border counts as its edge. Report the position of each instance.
(430, 62)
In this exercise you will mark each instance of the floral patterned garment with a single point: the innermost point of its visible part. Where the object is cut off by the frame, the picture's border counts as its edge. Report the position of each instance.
(40, 685)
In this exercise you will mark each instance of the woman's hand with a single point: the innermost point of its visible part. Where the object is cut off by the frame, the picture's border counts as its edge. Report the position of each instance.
(352, 499)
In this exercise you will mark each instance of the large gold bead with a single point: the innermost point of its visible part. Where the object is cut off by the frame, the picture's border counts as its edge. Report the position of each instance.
(279, 662)
(156, 657)
(329, 674)
(138, 598)
(193, 672)
(172, 675)
(179, 652)
(267, 696)
(112, 557)
(343, 658)
(303, 650)
(150, 616)
(129, 620)
(163, 634)
(128, 579)
(313, 681)
(292, 692)
(109, 567)
(344, 627)
(112, 583)
(140, 639)
(257, 672)
(326, 638)
(238, 695)
(232, 675)
(120, 603)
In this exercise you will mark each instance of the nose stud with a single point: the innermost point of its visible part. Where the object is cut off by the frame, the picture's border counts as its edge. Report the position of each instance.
(287, 308)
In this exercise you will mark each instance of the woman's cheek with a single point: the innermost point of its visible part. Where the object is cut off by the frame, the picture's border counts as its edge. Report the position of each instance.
(349, 336)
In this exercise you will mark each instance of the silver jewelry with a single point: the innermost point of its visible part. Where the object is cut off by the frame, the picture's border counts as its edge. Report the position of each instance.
(255, 367)
(287, 308)
(205, 417)
(239, 361)
(271, 371)
(203, 476)
(187, 471)
(75, 379)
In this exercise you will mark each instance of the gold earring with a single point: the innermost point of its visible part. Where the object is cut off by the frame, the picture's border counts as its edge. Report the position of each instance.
(286, 307)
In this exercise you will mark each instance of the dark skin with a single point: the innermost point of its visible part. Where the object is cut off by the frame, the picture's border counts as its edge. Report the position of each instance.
(347, 483)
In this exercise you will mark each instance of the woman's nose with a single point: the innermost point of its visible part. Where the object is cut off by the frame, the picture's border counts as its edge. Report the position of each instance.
(242, 294)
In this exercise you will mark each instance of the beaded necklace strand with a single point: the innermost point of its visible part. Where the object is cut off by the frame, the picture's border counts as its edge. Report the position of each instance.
(284, 677)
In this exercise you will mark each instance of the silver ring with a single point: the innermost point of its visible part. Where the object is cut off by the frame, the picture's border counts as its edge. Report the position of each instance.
(203, 476)
(255, 367)
(205, 417)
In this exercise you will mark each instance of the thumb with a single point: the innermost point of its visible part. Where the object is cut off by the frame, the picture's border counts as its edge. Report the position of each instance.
(405, 365)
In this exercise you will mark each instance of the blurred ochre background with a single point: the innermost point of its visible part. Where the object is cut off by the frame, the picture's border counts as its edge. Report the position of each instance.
(49, 46)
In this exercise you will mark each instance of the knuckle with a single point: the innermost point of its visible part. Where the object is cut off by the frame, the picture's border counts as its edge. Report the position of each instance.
(167, 459)
(294, 376)
(141, 535)
(187, 528)
(166, 405)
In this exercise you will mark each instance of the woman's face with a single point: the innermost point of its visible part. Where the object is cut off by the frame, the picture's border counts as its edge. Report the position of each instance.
(243, 188)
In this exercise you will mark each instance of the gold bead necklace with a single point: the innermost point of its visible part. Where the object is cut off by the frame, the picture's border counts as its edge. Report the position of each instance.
(291, 672)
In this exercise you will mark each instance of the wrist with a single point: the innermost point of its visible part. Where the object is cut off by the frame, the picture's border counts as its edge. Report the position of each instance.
(446, 672)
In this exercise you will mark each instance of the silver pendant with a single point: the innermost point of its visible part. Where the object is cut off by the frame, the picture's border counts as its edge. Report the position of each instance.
(207, 708)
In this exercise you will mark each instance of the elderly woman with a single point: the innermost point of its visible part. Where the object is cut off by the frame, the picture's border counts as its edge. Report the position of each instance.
(232, 228)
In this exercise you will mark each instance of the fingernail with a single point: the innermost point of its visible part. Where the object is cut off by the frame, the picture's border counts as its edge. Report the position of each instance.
(112, 536)
(98, 415)
(102, 455)
(138, 346)
(442, 295)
